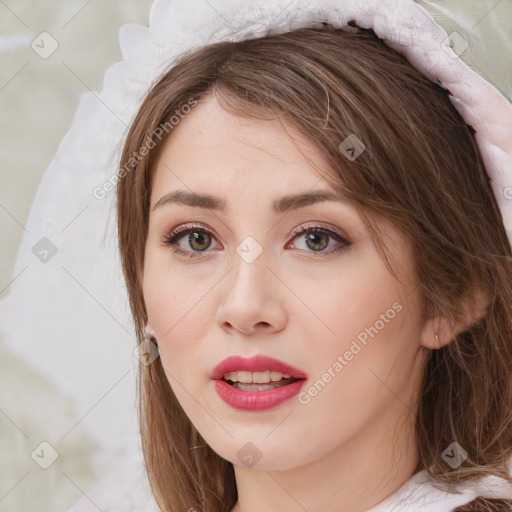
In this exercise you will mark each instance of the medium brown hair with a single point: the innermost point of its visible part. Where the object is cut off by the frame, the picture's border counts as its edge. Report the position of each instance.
(421, 170)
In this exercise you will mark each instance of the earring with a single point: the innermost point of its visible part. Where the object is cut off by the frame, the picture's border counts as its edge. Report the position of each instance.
(437, 337)
(150, 335)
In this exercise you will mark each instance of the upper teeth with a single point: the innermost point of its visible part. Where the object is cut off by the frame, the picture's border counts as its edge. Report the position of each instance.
(258, 377)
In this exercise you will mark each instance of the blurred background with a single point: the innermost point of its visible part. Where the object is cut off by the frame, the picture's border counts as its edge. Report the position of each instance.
(71, 434)
(39, 94)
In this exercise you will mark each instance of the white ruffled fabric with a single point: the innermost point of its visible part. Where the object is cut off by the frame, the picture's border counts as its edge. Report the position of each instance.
(68, 316)
(419, 495)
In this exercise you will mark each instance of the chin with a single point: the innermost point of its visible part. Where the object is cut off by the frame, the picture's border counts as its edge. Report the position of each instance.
(265, 455)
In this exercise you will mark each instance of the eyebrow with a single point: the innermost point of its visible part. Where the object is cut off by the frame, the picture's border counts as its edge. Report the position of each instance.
(281, 205)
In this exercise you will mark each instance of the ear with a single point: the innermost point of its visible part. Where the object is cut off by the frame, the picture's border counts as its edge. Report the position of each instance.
(149, 329)
(438, 331)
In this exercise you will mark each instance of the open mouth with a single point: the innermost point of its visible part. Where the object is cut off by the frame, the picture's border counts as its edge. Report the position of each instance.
(257, 383)
(258, 386)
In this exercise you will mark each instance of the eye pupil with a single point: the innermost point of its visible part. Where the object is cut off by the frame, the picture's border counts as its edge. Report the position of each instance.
(310, 237)
(200, 240)
(198, 237)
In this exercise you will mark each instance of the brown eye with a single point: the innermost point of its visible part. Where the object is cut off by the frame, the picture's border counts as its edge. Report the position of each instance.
(199, 240)
(189, 240)
(317, 241)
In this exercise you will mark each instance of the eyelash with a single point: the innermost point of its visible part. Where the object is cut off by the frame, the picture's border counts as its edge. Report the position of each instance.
(171, 239)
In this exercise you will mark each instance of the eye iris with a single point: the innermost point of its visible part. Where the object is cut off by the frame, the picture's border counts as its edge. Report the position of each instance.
(313, 237)
(199, 237)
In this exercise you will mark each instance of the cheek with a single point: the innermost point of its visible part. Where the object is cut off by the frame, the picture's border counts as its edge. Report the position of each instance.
(177, 319)
(368, 326)
(358, 377)
(176, 305)
(347, 301)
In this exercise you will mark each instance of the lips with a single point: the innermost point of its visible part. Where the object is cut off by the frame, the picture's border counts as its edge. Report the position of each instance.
(257, 363)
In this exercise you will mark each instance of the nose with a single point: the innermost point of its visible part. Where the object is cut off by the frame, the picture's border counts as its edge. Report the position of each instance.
(252, 299)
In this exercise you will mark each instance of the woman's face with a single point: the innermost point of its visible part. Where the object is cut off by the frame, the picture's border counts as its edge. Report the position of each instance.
(248, 280)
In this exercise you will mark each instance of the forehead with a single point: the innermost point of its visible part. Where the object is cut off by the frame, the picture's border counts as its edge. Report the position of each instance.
(211, 147)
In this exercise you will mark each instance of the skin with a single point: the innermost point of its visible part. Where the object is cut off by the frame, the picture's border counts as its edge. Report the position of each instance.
(302, 304)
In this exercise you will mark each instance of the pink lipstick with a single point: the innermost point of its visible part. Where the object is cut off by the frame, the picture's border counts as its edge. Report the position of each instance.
(256, 383)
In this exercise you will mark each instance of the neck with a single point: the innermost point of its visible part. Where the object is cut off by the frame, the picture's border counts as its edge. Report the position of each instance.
(354, 477)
